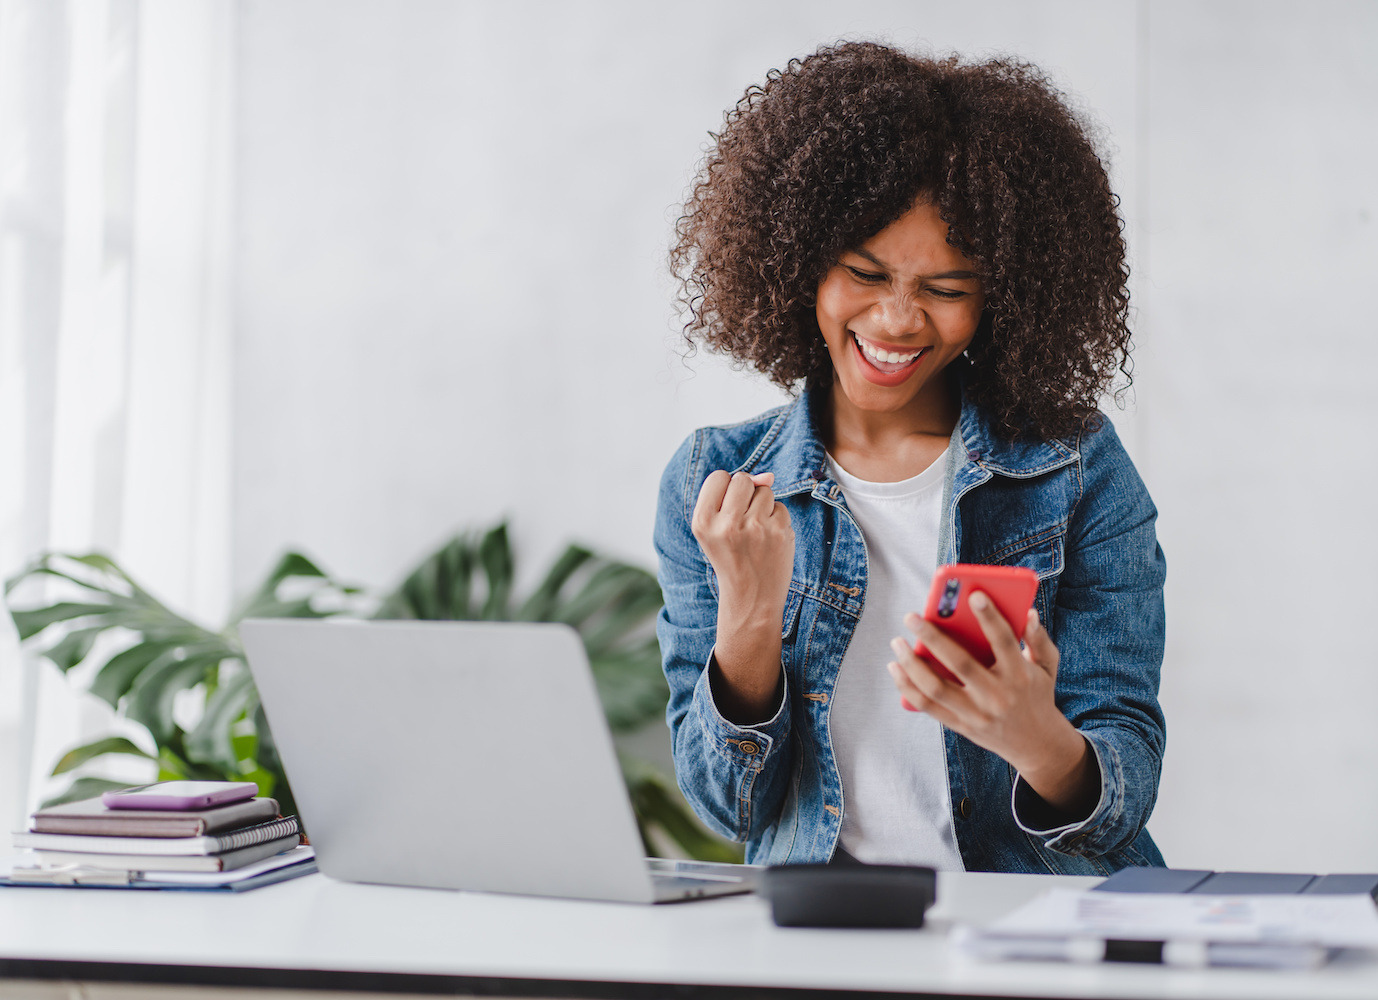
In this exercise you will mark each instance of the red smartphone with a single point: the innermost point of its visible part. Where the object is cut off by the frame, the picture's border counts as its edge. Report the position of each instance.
(1010, 588)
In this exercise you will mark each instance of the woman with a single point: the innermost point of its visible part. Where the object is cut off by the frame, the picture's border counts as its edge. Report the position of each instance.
(932, 252)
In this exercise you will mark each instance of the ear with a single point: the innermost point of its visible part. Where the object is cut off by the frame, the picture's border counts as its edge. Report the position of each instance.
(984, 335)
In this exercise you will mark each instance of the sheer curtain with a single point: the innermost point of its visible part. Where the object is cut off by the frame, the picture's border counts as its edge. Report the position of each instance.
(115, 166)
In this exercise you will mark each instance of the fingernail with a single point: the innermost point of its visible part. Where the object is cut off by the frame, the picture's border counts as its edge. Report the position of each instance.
(898, 645)
(979, 601)
(894, 669)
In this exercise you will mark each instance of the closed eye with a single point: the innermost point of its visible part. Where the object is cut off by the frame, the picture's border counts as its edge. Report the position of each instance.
(948, 293)
(870, 277)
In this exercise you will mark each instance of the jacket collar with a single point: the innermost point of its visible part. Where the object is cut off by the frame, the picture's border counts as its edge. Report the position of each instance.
(792, 448)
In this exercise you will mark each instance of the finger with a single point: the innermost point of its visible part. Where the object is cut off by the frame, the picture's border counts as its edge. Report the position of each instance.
(711, 496)
(1003, 642)
(951, 654)
(915, 700)
(762, 503)
(763, 478)
(924, 678)
(1040, 647)
(738, 495)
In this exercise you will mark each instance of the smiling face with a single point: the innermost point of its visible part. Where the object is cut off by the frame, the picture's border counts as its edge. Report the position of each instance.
(895, 311)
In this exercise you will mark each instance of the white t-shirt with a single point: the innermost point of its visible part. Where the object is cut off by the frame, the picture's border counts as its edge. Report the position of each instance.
(893, 762)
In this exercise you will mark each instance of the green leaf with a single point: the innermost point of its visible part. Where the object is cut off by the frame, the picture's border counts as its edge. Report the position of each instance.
(46, 570)
(631, 687)
(170, 766)
(269, 760)
(172, 756)
(635, 606)
(295, 564)
(77, 756)
(605, 586)
(152, 696)
(299, 608)
(457, 562)
(73, 647)
(495, 555)
(122, 670)
(100, 561)
(30, 623)
(38, 565)
(436, 590)
(264, 603)
(429, 590)
(266, 782)
(542, 602)
(245, 746)
(44, 566)
(85, 788)
(212, 741)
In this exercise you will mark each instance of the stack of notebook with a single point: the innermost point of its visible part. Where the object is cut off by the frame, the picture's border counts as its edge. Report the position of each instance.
(88, 834)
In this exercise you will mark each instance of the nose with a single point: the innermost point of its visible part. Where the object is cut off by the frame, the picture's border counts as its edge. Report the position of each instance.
(897, 315)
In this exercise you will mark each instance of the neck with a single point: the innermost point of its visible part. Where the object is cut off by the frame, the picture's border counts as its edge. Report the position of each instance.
(932, 413)
(890, 446)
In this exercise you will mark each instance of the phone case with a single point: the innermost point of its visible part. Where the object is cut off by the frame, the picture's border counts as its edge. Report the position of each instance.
(177, 796)
(1010, 588)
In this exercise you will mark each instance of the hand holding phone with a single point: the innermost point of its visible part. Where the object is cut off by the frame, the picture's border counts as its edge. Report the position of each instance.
(1010, 589)
(1003, 700)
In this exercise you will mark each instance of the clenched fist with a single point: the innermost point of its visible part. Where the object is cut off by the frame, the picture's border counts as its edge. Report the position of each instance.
(748, 540)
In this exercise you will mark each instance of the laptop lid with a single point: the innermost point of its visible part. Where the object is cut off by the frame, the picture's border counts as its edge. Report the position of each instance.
(458, 755)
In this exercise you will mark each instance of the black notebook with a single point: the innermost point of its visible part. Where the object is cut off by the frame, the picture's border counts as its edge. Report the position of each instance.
(1236, 883)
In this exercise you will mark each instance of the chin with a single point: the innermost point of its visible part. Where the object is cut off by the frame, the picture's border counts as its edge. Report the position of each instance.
(878, 399)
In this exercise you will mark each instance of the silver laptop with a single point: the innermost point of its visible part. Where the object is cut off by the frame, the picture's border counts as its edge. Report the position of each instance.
(459, 755)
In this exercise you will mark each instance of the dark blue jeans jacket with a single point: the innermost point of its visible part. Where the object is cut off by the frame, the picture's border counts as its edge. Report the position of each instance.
(1075, 512)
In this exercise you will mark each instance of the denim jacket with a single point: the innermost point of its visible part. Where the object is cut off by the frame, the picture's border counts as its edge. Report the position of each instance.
(1075, 512)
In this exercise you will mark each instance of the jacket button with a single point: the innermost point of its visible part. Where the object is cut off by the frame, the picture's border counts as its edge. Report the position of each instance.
(964, 808)
(746, 746)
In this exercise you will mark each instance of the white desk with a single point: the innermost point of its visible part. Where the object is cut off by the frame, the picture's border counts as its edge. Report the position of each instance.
(317, 932)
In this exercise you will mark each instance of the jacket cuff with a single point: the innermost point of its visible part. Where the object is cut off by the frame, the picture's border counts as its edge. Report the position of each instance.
(1091, 836)
(746, 746)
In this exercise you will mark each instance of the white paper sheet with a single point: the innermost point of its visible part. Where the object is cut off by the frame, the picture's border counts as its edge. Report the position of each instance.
(1327, 921)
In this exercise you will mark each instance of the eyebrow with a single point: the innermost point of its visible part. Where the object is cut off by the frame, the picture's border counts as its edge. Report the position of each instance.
(946, 275)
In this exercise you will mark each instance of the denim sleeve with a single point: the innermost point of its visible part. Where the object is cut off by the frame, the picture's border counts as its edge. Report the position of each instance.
(1108, 623)
(733, 776)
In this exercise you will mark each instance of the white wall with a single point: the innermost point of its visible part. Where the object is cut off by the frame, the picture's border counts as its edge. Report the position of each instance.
(452, 305)
(1259, 417)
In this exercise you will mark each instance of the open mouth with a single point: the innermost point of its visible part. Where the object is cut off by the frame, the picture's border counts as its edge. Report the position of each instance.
(887, 367)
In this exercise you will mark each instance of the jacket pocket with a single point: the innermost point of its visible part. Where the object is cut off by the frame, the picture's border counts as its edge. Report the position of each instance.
(1040, 551)
(789, 622)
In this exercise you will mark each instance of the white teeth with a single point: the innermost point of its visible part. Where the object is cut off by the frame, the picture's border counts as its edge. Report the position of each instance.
(887, 356)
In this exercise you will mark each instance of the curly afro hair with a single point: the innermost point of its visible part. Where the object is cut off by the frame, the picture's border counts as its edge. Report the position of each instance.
(838, 145)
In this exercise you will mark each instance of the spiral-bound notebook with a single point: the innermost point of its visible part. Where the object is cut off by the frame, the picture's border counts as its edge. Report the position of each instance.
(233, 840)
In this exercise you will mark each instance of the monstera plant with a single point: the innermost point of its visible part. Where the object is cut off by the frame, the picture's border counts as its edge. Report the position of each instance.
(147, 662)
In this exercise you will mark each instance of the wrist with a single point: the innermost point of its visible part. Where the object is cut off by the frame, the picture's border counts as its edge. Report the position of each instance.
(1064, 772)
(750, 614)
(747, 670)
